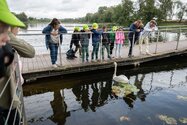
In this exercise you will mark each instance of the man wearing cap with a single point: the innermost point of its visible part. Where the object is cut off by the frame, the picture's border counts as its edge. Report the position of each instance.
(144, 36)
(7, 19)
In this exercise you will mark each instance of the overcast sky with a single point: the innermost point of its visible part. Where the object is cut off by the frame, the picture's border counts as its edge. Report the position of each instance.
(58, 8)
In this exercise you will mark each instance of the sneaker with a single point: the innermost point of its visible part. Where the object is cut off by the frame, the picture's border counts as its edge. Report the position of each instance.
(58, 65)
(54, 66)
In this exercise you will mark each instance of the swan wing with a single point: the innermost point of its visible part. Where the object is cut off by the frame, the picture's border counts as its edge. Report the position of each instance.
(121, 79)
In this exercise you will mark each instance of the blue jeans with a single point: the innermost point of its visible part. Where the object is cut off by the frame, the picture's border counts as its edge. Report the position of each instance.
(95, 50)
(53, 52)
(85, 53)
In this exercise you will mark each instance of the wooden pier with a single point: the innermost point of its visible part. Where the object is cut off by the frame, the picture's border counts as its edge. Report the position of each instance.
(40, 66)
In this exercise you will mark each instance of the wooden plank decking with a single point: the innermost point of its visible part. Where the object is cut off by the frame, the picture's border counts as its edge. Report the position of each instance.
(40, 66)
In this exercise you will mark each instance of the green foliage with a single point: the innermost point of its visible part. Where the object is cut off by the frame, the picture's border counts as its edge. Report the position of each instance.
(22, 16)
(181, 10)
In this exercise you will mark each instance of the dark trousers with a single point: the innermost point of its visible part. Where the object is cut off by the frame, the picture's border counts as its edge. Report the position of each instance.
(111, 48)
(107, 49)
(53, 52)
(132, 43)
(78, 47)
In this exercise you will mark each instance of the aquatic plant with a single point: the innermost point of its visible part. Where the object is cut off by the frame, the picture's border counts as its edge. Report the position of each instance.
(124, 118)
(168, 120)
(182, 97)
(183, 120)
(122, 89)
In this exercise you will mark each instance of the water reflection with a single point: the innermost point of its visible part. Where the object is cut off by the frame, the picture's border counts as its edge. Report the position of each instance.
(85, 100)
(138, 83)
(94, 95)
(59, 108)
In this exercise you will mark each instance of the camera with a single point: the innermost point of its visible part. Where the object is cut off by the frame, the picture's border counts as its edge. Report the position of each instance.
(6, 58)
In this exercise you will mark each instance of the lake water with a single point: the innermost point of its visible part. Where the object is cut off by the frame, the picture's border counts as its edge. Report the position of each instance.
(87, 98)
(38, 41)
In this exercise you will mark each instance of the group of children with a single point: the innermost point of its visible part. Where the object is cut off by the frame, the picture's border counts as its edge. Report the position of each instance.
(100, 37)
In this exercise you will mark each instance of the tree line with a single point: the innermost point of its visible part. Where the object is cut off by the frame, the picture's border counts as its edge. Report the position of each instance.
(127, 12)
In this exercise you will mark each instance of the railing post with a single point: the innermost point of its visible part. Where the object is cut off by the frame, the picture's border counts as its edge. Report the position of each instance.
(100, 46)
(60, 52)
(133, 42)
(178, 39)
(158, 34)
(165, 35)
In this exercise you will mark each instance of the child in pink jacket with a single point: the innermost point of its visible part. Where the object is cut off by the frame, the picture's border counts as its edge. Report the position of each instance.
(120, 37)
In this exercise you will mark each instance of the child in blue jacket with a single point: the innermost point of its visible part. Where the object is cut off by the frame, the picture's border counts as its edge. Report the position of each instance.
(96, 38)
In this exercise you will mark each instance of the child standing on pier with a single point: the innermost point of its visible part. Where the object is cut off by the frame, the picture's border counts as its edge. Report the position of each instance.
(75, 40)
(112, 38)
(96, 38)
(120, 37)
(105, 42)
(84, 40)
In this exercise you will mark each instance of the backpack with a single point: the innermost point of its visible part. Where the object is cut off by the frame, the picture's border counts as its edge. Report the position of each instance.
(70, 54)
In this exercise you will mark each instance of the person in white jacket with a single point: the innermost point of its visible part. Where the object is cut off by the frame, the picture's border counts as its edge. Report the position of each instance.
(144, 36)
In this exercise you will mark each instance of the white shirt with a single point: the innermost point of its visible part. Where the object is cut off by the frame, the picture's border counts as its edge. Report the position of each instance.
(147, 30)
(55, 39)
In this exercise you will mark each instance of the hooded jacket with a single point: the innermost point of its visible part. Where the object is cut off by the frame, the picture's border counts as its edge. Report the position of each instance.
(96, 36)
(84, 38)
(47, 31)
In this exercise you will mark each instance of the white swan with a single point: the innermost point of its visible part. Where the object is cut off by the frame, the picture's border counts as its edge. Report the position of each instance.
(120, 78)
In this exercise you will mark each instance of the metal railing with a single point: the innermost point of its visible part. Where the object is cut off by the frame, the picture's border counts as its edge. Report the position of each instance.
(159, 36)
(16, 112)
